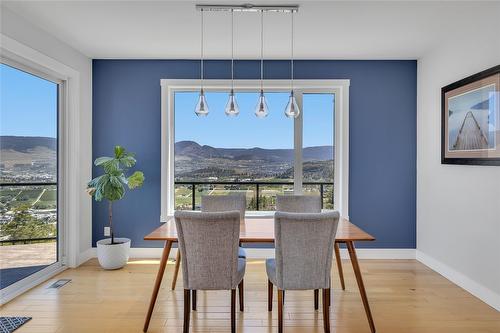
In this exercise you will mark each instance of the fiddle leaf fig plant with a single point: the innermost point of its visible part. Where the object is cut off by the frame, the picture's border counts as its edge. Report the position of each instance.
(112, 184)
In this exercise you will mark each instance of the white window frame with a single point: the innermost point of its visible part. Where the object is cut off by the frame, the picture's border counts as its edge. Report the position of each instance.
(25, 58)
(338, 87)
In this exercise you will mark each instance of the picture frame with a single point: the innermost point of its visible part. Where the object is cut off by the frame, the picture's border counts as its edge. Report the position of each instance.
(470, 120)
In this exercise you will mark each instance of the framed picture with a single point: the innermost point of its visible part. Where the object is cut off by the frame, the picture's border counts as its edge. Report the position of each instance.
(470, 125)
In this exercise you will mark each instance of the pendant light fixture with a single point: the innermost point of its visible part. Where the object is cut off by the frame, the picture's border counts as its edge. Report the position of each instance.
(201, 108)
(261, 110)
(232, 108)
(292, 109)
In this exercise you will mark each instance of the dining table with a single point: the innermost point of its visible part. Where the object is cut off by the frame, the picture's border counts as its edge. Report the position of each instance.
(261, 230)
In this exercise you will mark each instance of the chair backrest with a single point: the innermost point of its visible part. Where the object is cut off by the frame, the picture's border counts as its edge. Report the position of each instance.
(224, 203)
(304, 247)
(298, 203)
(209, 249)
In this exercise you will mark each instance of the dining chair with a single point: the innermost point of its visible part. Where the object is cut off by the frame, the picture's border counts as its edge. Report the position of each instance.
(303, 260)
(308, 204)
(209, 250)
(217, 203)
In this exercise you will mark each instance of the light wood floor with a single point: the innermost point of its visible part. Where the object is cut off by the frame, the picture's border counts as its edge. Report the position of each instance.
(405, 296)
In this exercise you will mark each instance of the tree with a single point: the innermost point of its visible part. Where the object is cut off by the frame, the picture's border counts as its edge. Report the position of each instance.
(111, 185)
(26, 226)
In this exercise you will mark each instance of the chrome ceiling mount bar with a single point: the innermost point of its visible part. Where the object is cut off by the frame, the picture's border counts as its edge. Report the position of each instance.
(249, 8)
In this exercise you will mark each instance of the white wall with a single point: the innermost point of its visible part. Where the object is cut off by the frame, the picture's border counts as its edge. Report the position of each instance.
(458, 206)
(22, 31)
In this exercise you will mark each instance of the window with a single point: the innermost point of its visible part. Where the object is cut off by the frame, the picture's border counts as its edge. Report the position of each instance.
(28, 173)
(217, 155)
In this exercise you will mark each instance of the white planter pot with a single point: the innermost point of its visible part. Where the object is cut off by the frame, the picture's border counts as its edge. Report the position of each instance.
(113, 256)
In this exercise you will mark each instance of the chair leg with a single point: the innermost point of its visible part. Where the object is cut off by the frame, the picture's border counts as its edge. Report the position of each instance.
(187, 311)
(326, 310)
(176, 269)
(240, 290)
(316, 299)
(280, 311)
(329, 298)
(193, 292)
(233, 310)
(269, 296)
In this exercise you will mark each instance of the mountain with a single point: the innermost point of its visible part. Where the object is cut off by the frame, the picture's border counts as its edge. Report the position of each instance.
(28, 159)
(25, 144)
(195, 151)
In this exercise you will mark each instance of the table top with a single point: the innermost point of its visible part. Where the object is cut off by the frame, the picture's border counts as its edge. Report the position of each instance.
(261, 230)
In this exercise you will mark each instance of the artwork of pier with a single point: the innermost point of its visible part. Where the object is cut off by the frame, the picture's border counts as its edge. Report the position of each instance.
(470, 136)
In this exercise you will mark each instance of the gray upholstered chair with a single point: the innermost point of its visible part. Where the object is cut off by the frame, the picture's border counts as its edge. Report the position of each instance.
(308, 204)
(304, 247)
(225, 203)
(217, 203)
(209, 250)
(298, 203)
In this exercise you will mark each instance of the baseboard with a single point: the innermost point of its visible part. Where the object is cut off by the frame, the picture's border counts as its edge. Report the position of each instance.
(484, 294)
(256, 253)
(86, 255)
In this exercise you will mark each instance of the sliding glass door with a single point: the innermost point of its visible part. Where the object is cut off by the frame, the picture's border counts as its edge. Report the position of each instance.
(29, 223)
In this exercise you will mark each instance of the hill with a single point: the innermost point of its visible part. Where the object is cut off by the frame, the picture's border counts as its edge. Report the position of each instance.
(193, 150)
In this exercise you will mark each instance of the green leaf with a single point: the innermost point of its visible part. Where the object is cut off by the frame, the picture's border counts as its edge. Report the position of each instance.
(128, 160)
(115, 181)
(100, 160)
(112, 166)
(119, 150)
(112, 192)
(93, 183)
(98, 194)
(136, 180)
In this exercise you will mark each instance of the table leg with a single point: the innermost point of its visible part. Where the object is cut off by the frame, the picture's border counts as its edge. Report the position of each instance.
(339, 265)
(176, 269)
(361, 286)
(159, 277)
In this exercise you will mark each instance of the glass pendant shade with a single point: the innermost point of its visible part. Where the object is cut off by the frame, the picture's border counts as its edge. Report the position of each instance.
(201, 108)
(232, 108)
(292, 109)
(261, 110)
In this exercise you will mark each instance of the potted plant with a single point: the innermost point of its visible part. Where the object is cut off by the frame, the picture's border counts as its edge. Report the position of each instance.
(113, 253)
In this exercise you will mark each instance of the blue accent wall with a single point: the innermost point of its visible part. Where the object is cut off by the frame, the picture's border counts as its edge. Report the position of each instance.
(382, 127)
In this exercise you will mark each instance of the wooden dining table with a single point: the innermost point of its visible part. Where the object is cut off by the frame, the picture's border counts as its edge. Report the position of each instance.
(261, 230)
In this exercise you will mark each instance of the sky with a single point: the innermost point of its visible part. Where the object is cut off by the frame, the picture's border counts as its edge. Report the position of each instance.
(28, 105)
(248, 131)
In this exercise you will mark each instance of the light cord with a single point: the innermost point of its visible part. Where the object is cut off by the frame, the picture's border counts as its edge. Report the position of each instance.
(292, 55)
(201, 50)
(261, 50)
(232, 50)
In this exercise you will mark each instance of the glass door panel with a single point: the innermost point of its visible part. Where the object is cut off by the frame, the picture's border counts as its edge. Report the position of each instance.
(28, 174)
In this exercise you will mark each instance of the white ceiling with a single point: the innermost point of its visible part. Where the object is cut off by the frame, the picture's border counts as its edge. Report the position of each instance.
(324, 30)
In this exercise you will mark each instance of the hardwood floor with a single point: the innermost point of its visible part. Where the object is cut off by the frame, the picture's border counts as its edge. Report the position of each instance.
(405, 297)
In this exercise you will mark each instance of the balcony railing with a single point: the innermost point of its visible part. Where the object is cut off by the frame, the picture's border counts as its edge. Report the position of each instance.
(27, 241)
(263, 197)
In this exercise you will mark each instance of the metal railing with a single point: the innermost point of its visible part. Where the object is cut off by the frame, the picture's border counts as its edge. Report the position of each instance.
(27, 241)
(256, 184)
(27, 184)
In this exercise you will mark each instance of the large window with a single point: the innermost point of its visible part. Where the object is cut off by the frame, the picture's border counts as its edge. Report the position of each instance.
(28, 173)
(217, 155)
